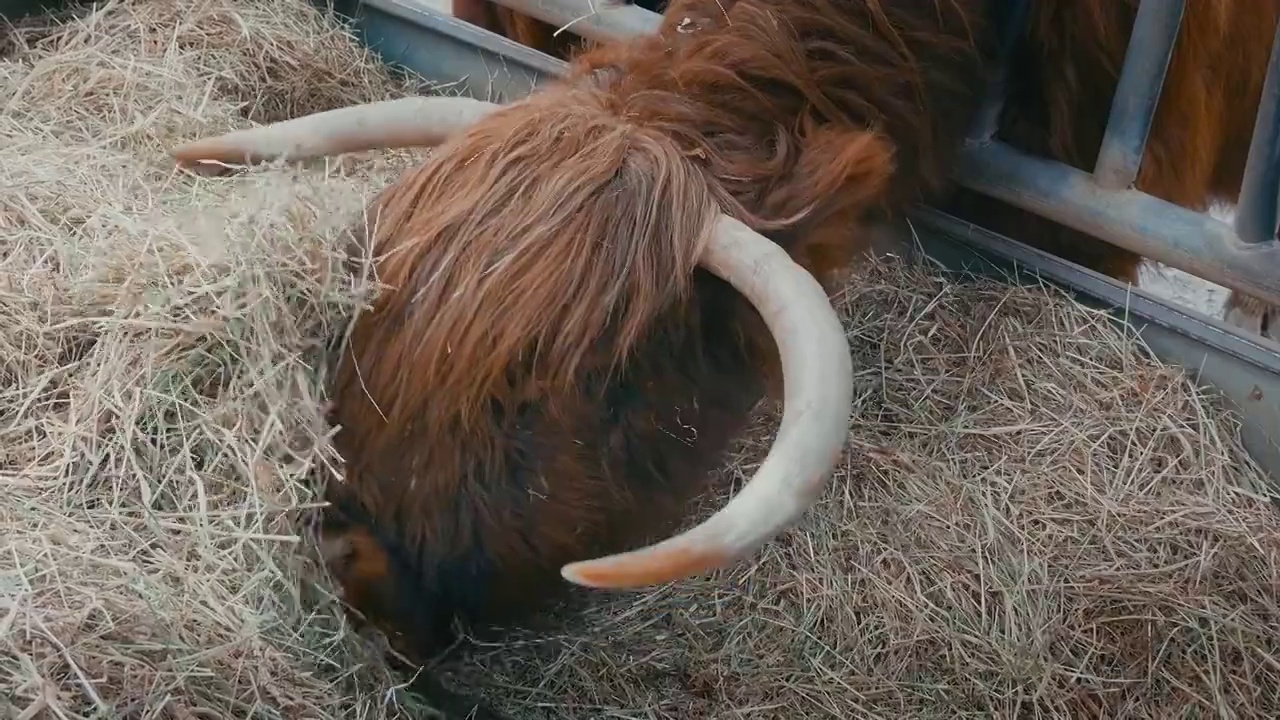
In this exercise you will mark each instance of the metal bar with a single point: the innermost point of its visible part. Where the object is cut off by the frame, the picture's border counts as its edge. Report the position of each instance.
(1188, 240)
(599, 20)
(1012, 25)
(411, 34)
(1141, 79)
(1244, 367)
(1258, 209)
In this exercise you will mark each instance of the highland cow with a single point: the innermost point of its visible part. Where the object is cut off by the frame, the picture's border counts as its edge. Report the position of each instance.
(581, 315)
(1063, 76)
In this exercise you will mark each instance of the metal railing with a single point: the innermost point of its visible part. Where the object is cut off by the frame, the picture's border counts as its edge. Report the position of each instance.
(1103, 203)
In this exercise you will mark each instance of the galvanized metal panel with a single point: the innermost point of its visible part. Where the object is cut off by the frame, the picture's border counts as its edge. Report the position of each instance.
(1192, 241)
(471, 61)
(1246, 370)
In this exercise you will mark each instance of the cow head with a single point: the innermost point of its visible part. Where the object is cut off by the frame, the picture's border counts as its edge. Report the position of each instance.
(544, 141)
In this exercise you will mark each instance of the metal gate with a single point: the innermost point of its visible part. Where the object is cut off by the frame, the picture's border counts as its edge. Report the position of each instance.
(1103, 203)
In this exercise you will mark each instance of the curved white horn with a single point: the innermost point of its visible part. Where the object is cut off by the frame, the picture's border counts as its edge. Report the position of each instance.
(404, 122)
(818, 389)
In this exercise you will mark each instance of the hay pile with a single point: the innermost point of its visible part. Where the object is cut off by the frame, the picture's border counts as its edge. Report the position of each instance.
(158, 407)
(1032, 519)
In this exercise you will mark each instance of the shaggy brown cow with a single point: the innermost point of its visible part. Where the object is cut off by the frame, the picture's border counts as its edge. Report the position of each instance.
(1064, 73)
(559, 360)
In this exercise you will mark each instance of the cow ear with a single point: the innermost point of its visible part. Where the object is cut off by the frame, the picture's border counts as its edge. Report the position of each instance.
(850, 162)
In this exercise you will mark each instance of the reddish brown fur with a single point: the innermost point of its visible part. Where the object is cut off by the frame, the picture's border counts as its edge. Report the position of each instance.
(1064, 77)
(550, 378)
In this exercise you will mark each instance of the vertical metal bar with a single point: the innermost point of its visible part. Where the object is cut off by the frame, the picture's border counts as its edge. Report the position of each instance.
(1010, 29)
(1141, 79)
(1258, 210)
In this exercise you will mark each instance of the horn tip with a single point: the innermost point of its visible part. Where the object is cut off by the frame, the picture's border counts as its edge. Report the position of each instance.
(188, 152)
(643, 568)
(216, 149)
(203, 158)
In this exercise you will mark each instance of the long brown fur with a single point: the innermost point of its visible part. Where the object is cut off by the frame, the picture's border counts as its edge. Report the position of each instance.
(1064, 74)
(549, 378)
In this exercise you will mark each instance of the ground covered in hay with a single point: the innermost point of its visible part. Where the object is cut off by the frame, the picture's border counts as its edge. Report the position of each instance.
(1033, 520)
(158, 410)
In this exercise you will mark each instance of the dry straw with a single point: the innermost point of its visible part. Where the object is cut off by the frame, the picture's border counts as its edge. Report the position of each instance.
(158, 333)
(1033, 520)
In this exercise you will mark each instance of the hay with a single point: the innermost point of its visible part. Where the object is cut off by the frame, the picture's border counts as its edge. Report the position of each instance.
(158, 406)
(1033, 518)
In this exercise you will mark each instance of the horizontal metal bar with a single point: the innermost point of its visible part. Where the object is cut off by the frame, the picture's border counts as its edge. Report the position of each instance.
(412, 34)
(1188, 240)
(1134, 105)
(599, 20)
(1258, 210)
